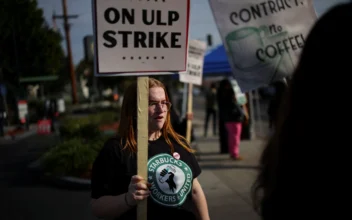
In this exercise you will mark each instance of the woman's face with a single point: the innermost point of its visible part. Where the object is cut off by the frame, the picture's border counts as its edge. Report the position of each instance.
(157, 110)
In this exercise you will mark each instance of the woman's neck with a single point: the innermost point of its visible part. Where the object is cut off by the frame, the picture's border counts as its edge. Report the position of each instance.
(154, 135)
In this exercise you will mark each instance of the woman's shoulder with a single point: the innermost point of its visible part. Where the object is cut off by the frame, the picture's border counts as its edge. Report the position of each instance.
(174, 141)
(114, 150)
(113, 142)
(113, 145)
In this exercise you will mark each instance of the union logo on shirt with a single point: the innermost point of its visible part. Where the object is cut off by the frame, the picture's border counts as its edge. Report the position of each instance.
(171, 180)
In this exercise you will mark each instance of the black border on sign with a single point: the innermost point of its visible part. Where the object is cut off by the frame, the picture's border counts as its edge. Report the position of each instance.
(133, 73)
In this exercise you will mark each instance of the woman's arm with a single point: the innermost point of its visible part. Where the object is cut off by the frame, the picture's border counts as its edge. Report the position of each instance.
(114, 206)
(246, 114)
(200, 200)
(109, 206)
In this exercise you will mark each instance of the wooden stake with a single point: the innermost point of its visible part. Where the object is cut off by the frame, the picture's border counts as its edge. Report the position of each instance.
(142, 137)
(189, 110)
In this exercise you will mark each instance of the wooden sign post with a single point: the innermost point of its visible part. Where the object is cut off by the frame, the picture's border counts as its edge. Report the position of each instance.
(193, 75)
(142, 137)
(189, 110)
(140, 38)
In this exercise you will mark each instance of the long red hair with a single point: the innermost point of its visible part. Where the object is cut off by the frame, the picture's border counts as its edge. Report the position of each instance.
(128, 120)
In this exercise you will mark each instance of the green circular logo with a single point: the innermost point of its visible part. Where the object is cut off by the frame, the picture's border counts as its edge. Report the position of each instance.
(171, 180)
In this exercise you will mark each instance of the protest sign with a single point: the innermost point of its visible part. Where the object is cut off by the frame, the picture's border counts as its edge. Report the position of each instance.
(140, 37)
(22, 110)
(240, 96)
(194, 73)
(263, 39)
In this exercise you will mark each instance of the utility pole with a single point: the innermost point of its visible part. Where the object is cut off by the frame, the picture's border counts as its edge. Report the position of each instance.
(69, 51)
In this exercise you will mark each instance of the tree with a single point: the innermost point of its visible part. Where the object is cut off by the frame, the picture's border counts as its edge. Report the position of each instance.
(29, 47)
(57, 86)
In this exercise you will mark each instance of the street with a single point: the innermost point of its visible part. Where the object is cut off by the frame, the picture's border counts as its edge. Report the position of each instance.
(24, 195)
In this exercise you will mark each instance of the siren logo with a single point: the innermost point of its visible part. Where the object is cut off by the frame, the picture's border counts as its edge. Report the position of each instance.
(171, 180)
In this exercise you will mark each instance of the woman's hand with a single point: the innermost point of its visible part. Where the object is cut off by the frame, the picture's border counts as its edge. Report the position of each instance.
(189, 116)
(138, 190)
(246, 115)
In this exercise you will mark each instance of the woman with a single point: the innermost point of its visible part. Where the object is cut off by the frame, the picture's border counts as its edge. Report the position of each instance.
(172, 190)
(178, 123)
(280, 88)
(224, 149)
(211, 108)
(233, 115)
(303, 168)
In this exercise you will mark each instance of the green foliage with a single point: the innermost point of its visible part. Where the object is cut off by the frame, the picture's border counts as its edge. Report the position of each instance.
(97, 144)
(82, 141)
(72, 157)
(90, 131)
(86, 127)
(106, 117)
(79, 127)
(57, 86)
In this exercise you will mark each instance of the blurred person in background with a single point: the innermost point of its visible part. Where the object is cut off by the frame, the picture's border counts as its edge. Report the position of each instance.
(211, 108)
(279, 88)
(2, 115)
(304, 166)
(51, 112)
(232, 115)
(179, 123)
(224, 149)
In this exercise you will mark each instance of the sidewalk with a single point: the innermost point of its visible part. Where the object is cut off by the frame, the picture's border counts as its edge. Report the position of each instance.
(225, 182)
(17, 135)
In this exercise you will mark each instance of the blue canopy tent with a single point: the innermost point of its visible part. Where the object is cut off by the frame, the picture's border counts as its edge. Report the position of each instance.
(216, 63)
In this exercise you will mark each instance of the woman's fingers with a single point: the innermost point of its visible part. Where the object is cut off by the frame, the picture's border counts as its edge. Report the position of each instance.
(142, 193)
(140, 198)
(139, 183)
(136, 179)
(189, 116)
(139, 186)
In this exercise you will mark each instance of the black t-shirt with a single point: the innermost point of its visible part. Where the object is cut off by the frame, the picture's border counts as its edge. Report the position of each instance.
(171, 179)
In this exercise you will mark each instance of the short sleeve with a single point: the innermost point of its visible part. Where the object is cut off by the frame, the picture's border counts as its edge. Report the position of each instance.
(105, 169)
(192, 162)
(195, 166)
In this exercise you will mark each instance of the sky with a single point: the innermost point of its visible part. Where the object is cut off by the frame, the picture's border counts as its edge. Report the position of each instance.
(201, 22)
